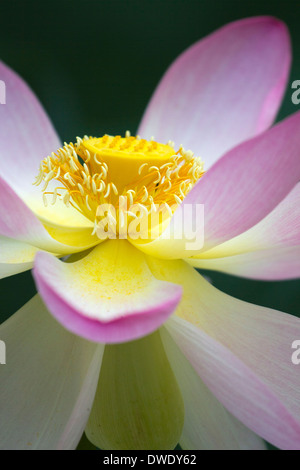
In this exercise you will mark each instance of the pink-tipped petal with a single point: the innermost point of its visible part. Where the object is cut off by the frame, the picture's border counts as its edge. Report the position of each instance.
(27, 136)
(17, 221)
(280, 228)
(107, 296)
(223, 90)
(242, 352)
(207, 424)
(26, 133)
(269, 250)
(47, 384)
(241, 189)
(236, 386)
(272, 264)
(249, 182)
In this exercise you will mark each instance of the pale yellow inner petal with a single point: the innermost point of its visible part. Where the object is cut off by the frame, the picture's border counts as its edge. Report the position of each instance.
(138, 404)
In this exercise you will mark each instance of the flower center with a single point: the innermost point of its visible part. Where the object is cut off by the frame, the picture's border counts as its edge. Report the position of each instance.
(131, 175)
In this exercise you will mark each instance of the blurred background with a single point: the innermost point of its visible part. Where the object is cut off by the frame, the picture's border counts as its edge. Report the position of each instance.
(94, 65)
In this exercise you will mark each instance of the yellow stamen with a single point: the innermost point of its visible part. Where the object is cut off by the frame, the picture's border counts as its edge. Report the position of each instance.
(124, 172)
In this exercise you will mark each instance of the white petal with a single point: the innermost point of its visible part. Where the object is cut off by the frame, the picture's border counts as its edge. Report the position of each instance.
(48, 383)
(15, 257)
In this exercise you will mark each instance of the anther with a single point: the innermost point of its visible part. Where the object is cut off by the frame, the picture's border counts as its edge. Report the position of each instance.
(87, 202)
(141, 168)
(107, 191)
(114, 188)
(80, 189)
(177, 199)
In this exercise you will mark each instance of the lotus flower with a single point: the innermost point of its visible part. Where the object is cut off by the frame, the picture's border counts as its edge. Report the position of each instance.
(138, 349)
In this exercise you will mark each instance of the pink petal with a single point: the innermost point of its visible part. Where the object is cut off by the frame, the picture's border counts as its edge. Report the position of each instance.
(249, 181)
(207, 424)
(223, 90)
(240, 190)
(26, 133)
(280, 228)
(17, 221)
(27, 136)
(48, 383)
(269, 250)
(242, 352)
(272, 264)
(237, 387)
(108, 296)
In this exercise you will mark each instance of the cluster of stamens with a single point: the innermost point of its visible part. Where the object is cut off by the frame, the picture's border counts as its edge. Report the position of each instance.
(94, 172)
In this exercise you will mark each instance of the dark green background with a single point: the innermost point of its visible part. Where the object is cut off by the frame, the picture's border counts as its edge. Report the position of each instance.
(94, 65)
